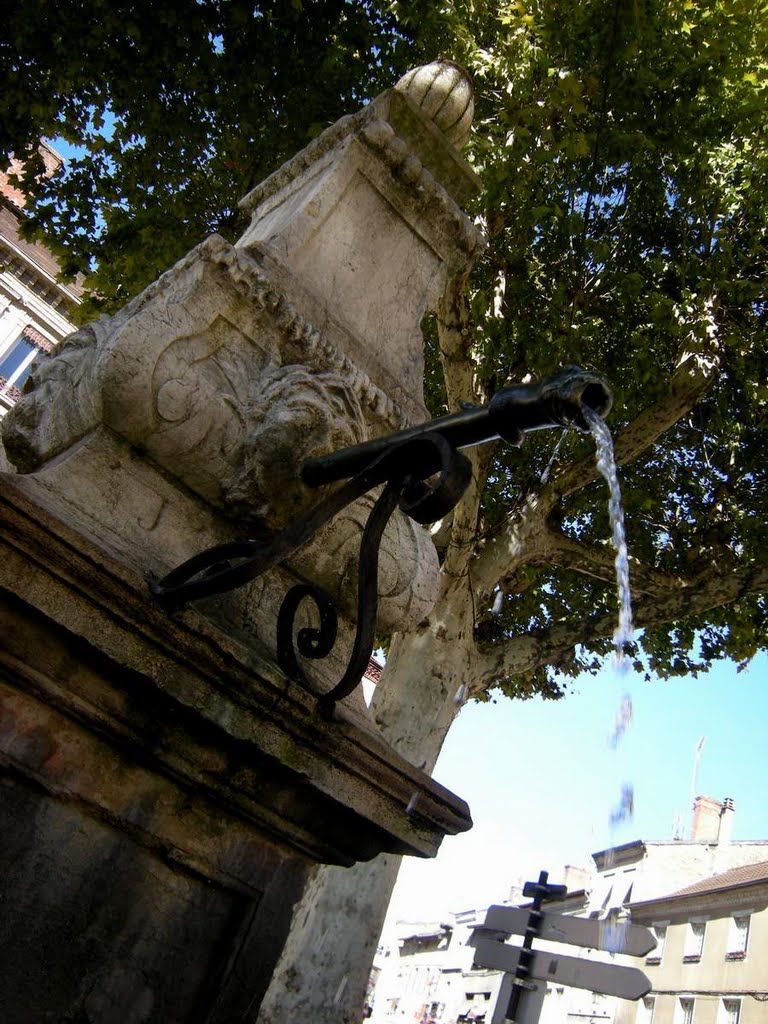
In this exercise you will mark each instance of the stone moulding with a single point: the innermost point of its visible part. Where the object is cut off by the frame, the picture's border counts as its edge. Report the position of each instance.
(245, 360)
(229, 407)
(330, 790)
(165, 792)
(408, 168)
(167, 789)
(364, 227)
(80, 366)
(308, 343)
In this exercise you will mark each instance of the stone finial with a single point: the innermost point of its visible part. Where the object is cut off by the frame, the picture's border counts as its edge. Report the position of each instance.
(443, 92)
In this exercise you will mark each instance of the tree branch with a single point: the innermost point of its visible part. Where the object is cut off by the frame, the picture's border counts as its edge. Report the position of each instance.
(455, 340)
(555, 646)
(694, 375)
(517, 544)
(599, 561)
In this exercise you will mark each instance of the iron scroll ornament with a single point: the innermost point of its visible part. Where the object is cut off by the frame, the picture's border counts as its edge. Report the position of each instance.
(424, 475)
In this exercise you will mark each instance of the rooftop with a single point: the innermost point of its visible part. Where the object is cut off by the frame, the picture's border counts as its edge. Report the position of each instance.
(723, 892)
(747, 874)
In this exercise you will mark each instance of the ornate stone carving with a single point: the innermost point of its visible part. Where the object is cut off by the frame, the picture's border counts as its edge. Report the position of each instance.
(302, 341)
(408, 565)
(408, 168)
(443, 92)
(177, 377)
(294, 414)
(61, 401)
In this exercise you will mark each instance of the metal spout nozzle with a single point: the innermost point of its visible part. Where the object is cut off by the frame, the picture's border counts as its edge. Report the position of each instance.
(555, 401)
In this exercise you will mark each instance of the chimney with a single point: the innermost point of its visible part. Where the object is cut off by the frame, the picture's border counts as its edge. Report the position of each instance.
(706, 819)
(515, 895)
(725, 830)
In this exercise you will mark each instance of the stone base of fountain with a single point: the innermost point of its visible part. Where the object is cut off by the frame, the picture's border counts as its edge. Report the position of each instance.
(165, 792)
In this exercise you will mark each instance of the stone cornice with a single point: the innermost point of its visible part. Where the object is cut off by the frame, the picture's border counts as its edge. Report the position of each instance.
(25, 257)
(227, 725)
(254, 281)
(311, 154)
(619, 855)
(315, 346)
(424, 187)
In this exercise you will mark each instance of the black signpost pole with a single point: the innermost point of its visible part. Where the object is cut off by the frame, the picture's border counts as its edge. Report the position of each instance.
(540, 891)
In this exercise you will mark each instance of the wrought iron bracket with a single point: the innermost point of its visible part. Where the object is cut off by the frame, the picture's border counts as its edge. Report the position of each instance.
(424, 475)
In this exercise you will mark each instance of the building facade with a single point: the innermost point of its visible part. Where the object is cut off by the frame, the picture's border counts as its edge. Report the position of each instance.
(35, 308)
(425, 974)
(711, 962)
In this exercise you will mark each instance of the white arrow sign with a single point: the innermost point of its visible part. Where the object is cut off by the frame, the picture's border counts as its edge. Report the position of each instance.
(609, 979)
(615, 936)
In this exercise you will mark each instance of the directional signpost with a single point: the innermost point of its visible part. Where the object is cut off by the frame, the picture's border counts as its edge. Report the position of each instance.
(610, 979)
(526, 970)
(528, 1009)
(614, 936)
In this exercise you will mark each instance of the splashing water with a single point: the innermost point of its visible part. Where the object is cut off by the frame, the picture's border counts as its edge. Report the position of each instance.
(622, 721)
(606, 465)
(625, 808)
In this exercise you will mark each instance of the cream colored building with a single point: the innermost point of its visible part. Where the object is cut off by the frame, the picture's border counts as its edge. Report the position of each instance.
(711, 963)
(640, 874)
(428, 976)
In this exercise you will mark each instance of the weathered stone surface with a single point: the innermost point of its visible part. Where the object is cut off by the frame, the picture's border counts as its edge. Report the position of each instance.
(177, 371)
(163, 793)
(242, 361)
(322, 972)
(443, 92)
(193, 374)
(362, 221)
(146, 671)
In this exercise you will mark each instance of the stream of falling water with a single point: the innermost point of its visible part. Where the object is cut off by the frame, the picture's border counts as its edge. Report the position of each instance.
(606, 465)
(624, 809)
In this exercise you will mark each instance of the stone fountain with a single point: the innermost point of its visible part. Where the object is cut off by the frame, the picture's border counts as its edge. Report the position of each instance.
(167, 789)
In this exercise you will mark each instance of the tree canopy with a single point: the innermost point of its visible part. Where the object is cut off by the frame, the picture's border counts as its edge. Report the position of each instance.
(623, 151)
(180, 108)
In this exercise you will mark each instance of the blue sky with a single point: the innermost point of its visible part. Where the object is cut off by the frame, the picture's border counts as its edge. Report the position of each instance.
(542, 778)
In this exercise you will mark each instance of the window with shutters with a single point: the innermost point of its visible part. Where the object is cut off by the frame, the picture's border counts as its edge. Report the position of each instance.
(738, 937)
(694, 942)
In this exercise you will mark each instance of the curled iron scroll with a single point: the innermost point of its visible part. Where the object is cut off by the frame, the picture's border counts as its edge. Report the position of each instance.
(318, 643)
